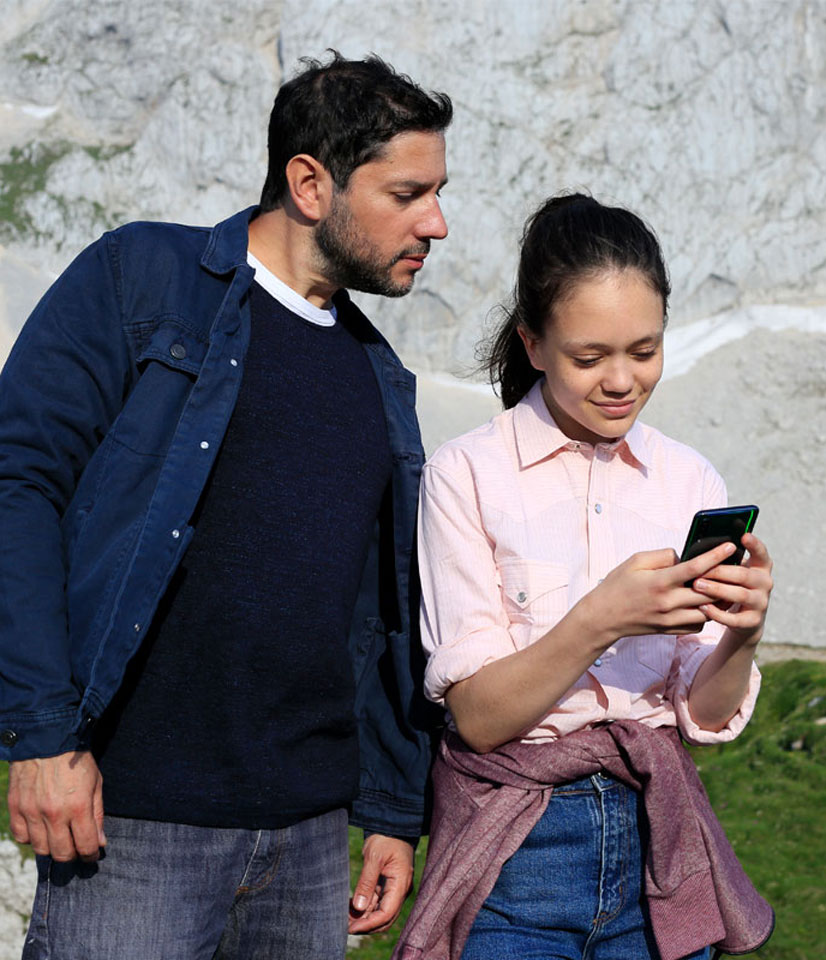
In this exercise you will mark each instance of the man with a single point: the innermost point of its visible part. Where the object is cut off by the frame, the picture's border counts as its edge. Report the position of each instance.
(209, 465)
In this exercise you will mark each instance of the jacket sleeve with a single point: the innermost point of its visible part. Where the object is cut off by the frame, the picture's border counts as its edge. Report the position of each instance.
(60, 390)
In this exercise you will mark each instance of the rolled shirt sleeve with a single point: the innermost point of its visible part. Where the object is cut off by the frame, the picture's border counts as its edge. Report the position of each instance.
(460, 583)
(690, 655)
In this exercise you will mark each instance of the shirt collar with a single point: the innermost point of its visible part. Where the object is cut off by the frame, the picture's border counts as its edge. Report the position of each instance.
(538, 437)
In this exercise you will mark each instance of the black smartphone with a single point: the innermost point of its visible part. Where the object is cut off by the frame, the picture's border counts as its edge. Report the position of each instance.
(710, 528)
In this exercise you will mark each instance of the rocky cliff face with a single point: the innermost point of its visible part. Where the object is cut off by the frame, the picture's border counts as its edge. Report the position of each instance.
(708, 118)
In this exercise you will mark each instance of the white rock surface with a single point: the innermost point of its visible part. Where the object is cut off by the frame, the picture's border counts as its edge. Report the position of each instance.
(17, 882)
(708, 118)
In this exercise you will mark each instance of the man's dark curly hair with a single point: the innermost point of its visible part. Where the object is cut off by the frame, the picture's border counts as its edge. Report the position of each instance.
(342, 113)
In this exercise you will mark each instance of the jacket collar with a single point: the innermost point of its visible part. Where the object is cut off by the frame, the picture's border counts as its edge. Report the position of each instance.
(538, 437)
(228, 242)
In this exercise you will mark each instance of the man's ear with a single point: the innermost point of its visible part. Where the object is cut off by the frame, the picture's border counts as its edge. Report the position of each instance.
(531, 342)
(310, 186)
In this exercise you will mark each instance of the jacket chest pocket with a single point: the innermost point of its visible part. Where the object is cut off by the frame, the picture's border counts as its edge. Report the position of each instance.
(168, 363)
(534, 592)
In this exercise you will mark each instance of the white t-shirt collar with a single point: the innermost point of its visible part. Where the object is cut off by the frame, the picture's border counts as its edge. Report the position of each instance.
(324, 317)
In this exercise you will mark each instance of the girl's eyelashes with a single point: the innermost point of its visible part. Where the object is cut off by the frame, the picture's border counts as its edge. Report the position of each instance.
(647, 354)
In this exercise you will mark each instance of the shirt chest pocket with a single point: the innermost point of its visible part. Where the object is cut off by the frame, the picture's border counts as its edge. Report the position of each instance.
(534, 592)
(169, 362)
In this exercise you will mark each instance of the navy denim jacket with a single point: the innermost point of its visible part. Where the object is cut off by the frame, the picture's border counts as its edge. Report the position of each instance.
(113, 405)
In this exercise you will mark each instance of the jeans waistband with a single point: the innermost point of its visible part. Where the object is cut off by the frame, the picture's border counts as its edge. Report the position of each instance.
(596, 783)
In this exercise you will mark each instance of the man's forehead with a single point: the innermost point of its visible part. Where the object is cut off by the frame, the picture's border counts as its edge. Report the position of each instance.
(415, 155)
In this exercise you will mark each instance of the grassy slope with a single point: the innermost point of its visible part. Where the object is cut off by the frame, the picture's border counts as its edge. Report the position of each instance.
(768, 788)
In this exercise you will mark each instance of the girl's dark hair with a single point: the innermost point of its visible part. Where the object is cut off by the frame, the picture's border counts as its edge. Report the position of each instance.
(570, 238)
(343, 113)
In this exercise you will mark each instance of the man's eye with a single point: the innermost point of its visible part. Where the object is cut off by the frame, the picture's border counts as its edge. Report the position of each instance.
(645, 354)
(586, 361)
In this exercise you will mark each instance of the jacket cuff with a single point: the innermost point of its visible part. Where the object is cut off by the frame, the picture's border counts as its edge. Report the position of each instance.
(24, 736)
(377, 812)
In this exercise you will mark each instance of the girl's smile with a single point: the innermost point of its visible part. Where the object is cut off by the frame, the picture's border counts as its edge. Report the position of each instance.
(601, 353)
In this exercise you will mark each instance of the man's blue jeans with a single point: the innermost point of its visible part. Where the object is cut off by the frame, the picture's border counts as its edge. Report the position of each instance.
(166, 891)
(573, 889)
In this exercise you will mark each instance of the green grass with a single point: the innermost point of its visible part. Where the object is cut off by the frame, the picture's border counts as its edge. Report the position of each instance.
(768, 788)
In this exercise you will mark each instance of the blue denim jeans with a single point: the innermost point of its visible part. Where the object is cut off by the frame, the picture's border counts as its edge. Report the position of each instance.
(166, 891)
(573, 890)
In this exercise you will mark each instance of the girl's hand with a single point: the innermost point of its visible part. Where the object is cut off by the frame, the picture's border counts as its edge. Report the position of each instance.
(739, 594)
(647, 594)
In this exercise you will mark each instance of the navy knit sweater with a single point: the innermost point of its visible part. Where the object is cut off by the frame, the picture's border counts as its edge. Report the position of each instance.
(238, 711)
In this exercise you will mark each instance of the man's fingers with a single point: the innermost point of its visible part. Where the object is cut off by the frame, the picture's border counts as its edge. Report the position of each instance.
(60, 844)
(86, 836)
(97, 813)
(17, 823)
(367, 884)
(384, 910)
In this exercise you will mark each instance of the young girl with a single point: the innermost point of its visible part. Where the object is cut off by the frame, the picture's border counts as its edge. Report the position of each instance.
(565, 643)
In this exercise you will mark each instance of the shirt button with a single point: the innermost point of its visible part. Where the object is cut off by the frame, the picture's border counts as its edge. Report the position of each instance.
(178, 351)
(521, 596)
(8, 738)
(204, 445)
(598, 507)
(597, 662)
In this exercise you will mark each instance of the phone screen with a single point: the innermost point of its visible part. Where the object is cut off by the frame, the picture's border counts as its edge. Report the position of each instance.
(710, 528)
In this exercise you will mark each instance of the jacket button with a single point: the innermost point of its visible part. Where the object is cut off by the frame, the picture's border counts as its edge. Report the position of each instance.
(8, 738)
(178, 351)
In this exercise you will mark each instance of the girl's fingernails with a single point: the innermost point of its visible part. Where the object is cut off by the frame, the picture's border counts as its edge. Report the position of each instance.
(700, 585)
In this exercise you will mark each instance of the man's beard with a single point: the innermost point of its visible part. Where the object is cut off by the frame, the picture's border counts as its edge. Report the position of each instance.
(350, 259)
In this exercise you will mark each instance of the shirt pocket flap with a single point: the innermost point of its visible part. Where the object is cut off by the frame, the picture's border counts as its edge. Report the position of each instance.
(527, 582)
(656, 652)
(174, 344)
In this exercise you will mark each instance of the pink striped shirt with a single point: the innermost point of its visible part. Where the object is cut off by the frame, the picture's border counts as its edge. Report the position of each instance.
(518, 522)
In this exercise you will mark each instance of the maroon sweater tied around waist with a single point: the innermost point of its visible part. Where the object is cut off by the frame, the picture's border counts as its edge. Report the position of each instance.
(487, 804)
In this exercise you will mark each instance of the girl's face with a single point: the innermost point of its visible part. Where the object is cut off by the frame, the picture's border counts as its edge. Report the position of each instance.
(602, 355)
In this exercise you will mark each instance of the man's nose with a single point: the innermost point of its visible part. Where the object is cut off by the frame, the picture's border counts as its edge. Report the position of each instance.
(434, 225)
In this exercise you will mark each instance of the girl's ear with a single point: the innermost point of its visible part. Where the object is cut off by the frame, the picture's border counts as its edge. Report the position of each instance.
(531, 342)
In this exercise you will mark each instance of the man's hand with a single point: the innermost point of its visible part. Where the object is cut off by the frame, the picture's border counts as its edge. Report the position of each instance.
(385, 881)
(56, 805)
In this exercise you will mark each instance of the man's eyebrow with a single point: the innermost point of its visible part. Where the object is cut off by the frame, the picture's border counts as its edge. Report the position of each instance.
(415, 185)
